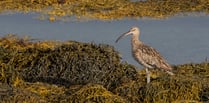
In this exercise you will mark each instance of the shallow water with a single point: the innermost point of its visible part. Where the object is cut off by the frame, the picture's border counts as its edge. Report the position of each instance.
(179, 39)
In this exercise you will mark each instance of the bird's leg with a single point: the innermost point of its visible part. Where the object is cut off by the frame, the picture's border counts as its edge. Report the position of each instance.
(170, 73)
(148, 75)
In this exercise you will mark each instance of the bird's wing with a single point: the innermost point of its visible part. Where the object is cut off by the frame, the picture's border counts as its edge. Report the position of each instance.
(151, 57)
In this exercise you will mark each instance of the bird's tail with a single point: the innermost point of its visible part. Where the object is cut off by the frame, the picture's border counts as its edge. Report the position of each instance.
(170, 73)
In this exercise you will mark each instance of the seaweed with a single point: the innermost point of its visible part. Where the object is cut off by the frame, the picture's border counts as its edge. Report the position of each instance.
(74, 64)
(187, 85)
(93, 93)
(48, 71)
(104, 10)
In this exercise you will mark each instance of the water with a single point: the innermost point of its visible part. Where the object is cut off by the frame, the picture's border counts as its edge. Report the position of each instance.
(179, 39)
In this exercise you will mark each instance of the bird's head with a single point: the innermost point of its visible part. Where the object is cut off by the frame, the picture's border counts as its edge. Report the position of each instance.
(132, 31)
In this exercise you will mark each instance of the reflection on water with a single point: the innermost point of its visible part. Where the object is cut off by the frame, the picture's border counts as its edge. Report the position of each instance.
(179, 39)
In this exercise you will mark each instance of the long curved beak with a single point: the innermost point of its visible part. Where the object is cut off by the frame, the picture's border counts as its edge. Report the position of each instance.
(123, 35)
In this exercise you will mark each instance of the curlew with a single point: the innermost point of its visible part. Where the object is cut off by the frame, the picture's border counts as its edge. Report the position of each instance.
(146, 55)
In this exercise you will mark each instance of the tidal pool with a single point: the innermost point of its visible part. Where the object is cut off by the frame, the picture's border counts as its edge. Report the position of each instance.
(179, 39)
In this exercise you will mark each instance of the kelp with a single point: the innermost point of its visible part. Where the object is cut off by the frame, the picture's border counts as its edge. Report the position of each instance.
(187, 85)
(104, 10)
(49, 71)
(93, 93)
(72, 64)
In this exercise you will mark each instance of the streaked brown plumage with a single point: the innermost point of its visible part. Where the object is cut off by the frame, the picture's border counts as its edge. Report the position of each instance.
(146, 55)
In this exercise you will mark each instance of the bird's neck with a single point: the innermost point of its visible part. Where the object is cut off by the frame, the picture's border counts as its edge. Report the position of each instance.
(135, 41)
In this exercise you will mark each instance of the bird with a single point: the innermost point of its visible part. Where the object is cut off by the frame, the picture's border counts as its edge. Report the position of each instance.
(146, 55)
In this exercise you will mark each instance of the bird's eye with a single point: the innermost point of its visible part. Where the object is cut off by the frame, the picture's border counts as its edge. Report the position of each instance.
(132, 29)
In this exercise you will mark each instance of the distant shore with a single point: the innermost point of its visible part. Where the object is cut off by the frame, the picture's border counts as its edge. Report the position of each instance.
(105, 10)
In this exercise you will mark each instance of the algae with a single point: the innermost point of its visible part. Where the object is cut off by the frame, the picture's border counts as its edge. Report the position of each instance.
(186, 86)
(94, 93)
(49, 71)
(104, 10)
(73, 64)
